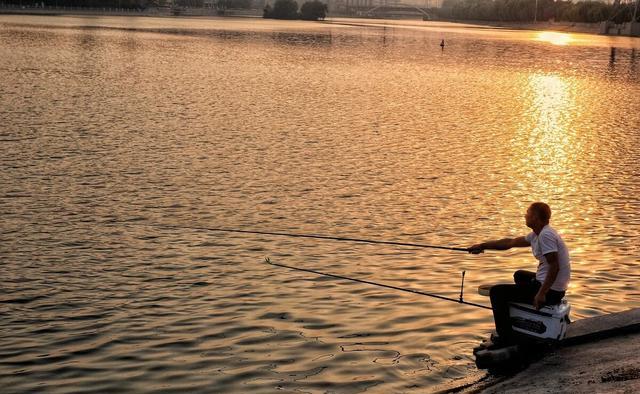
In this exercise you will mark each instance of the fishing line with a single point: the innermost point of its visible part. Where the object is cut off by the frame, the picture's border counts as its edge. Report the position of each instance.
(369, 241)
(229, 230)
(459, 301)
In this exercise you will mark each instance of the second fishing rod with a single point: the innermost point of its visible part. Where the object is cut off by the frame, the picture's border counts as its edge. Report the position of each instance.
(346, 239)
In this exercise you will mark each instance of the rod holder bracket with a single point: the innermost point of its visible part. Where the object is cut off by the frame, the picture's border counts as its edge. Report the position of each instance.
(462, 287)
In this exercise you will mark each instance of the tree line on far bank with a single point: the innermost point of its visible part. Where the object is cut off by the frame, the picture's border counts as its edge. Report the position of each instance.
(281, 9)
(588, 11)
(312, 10)
(134, 4)
(288, 9)
(524, 10)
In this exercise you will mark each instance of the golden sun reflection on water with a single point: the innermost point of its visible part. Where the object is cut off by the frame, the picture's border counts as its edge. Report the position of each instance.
(551, 152)
(547, 138)
(552, 110)
(547, 144)
(555, 38)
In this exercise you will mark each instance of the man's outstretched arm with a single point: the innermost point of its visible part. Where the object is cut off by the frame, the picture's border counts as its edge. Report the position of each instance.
(500, 244)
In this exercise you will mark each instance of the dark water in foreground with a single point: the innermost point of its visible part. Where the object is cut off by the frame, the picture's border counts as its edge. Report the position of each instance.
(359, 129)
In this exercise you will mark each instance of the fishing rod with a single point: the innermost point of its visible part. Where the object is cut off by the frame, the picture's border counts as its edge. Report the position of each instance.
(228, 230)
(459, 301)
(369, 241)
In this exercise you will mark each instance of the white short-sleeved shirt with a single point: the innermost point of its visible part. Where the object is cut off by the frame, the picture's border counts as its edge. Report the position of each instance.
(546, 242)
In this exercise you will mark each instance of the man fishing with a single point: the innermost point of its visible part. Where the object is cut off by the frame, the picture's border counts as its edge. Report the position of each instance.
(547, 286)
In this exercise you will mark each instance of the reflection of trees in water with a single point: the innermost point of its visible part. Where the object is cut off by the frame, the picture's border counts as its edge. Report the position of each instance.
(615, 62)
(221, 34)
(612, 57)
(87, 40)
(302, 38)
(623, 63)
(130, 43)
(232, 35)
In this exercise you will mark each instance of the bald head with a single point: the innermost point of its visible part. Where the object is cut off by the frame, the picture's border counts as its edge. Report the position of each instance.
(542, 211)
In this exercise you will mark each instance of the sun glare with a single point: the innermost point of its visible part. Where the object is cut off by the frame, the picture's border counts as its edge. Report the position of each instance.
(547, 142)
(555, 38)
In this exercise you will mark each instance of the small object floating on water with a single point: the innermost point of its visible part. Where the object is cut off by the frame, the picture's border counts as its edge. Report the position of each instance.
(442, 44)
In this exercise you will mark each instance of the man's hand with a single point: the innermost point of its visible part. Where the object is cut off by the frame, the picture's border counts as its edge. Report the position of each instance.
(539, 300)
(476, 249)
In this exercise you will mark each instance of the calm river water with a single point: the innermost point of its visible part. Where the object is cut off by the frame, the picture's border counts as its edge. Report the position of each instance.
(110, 126)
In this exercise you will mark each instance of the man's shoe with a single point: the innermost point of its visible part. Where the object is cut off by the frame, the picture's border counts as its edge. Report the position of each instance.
(500, 342)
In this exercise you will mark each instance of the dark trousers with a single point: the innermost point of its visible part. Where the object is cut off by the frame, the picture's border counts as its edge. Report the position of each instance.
(524, 290)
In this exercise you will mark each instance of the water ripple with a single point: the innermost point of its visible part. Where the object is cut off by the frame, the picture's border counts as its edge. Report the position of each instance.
(349, 128)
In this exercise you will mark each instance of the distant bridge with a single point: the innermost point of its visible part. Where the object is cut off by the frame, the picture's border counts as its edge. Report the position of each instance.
(398, 8)
(385, 8)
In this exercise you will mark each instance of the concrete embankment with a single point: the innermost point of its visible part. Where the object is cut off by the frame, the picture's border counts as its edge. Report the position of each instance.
(610, 365)
(600, 354)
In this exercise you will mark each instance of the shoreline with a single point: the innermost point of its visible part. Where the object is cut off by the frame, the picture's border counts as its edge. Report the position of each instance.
(608, 365)
(564, 27)
(596, 355)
